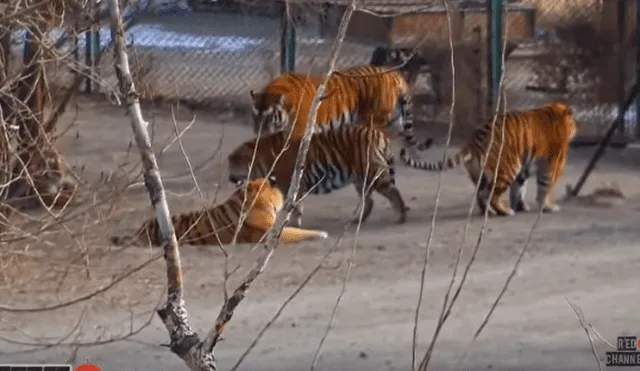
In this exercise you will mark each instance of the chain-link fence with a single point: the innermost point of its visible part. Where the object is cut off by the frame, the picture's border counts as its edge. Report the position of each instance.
(582, 54)
(556, 49)
(214, 58)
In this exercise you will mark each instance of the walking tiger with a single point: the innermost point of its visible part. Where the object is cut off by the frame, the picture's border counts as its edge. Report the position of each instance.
(355, 154)
(361, 94)
(539, 136)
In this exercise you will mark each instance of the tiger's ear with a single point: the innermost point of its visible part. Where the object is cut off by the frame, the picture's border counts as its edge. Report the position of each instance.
(241, 182)
(562, 108)
(252, 93)
(272, 180)
(282, 98)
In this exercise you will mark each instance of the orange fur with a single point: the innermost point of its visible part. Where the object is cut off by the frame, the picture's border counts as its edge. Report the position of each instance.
(355, 154)
(217, 225)
(539, 135)
(364, 94)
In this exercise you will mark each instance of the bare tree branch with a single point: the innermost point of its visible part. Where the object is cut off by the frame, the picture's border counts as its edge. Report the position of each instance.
(291, 198)
(184, 341)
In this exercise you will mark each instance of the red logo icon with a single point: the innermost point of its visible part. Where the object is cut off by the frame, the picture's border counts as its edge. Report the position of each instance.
(87, 367)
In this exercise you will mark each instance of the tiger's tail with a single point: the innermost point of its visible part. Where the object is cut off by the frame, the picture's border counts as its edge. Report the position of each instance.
(147, 233)
(449, 163)
(410, 141)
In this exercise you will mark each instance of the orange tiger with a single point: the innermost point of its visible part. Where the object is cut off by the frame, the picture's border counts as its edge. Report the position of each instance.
(365, 94)
(355, 154)
(539, 135)
(217, 225)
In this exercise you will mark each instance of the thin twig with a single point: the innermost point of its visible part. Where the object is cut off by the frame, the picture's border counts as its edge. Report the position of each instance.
(583, 323)
(226, 313)
(427, 252)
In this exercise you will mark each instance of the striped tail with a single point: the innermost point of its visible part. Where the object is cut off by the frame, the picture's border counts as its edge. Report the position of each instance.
(122, 241)
(449, 163)
(406, 111)
(134, 238)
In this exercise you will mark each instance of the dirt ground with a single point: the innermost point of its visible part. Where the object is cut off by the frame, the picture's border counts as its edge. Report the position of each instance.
(583, 254)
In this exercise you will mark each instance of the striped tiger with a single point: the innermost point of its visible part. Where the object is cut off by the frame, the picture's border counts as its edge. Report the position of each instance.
(361, 94)
(44, 180)
(539, 135)
(259, 199)
(355, 154)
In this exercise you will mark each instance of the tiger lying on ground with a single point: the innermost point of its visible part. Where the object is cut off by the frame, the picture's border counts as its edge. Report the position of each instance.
(217, 225)
(53, 183)
(352, 154)
(362, 94)
(539, 135)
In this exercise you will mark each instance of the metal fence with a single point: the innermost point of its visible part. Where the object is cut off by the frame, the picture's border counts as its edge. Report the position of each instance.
(580, 51)
(214, 59)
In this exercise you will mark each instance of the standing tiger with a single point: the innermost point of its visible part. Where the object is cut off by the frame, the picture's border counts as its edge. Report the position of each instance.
(539, 135)
(217, 225)
(364, 94)
(356, 154)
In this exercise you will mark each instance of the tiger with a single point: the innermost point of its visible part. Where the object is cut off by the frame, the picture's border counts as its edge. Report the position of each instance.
(355, 154)
(217, 225)
(540, 135)
(361, 94)
(44, 180)
(47, 180)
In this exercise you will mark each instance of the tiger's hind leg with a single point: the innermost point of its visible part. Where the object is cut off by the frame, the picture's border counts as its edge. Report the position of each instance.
(365, 196)
(484, 198)
(474, 170)
(546, 177)
(384, 185)
(517, 190)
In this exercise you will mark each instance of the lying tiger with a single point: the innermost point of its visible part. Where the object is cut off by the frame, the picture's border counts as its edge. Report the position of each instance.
(539, 135)
(355, 154)
(217, 225)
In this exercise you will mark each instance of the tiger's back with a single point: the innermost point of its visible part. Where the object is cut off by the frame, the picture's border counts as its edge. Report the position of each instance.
(369, 95)
(355, 154)
(516, 142)
(217, 225)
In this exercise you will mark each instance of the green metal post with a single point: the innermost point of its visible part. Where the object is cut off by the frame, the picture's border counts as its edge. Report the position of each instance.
(291, 48)
(287, 43)
(637, 66)
(94, 54)
(622, 32)
(494, 36)
(87, 58)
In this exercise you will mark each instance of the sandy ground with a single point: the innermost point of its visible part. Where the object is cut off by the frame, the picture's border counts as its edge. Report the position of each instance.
(584, 254)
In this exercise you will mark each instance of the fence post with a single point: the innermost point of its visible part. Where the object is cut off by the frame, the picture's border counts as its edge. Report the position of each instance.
(494, 38)
(87, 59)
(96, 50)
(287, 43)
(637, 35)
(622, 15)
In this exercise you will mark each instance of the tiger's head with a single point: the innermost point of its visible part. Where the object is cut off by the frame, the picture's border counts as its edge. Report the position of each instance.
(269, 112)
(241, 160)
(261, 194)
(564, 114)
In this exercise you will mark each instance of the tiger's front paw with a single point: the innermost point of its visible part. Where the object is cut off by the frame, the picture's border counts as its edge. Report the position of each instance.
(323, 235)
